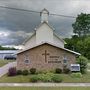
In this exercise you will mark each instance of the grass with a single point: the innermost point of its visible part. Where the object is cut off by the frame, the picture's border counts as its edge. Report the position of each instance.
(3, 62)
(16, 79)
(44, 88)
(25, 79)
(84, 79)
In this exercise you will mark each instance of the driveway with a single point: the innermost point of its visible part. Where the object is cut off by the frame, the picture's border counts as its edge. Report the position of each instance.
(4, 69)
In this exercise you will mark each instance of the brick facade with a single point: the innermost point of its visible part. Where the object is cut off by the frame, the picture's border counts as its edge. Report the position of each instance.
(44, 57)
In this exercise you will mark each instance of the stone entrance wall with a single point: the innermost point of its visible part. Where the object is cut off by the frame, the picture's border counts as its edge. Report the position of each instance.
(44, 57)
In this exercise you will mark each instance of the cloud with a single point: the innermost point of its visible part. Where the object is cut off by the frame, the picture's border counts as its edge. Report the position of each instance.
(18, 23)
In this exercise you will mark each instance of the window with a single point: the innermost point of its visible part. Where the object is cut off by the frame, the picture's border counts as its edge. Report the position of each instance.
(26, 61)
(65, 59)
(26, 58)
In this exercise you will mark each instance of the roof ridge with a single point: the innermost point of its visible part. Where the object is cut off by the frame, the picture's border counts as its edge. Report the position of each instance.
(52, 45)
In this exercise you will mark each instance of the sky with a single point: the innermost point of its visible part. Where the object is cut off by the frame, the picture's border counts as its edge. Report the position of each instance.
(16, 26)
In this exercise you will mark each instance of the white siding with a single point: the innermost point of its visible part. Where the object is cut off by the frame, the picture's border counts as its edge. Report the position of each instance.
(58, 42)
(44, 34)
(31, 42)
(44, 16)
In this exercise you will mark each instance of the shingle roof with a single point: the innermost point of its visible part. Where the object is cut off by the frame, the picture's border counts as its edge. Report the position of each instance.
(49, 44)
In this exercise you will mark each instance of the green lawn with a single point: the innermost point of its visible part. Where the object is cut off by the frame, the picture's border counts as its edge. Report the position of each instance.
(44, 88)
(66, 78)
(3, 62)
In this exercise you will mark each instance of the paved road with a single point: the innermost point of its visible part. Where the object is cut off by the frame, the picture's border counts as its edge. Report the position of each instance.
(46, 84)
(4, 69)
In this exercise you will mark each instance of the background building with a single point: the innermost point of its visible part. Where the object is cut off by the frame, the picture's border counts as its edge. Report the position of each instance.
(6, 53)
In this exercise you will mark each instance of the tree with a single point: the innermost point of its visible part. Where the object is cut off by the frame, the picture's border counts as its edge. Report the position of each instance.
(81, 27)
(87, 47)
(83, 63)
(79, 44)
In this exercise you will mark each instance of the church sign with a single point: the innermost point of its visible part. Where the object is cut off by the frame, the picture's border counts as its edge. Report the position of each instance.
(75, 67)
(54, 59)
(51, 59)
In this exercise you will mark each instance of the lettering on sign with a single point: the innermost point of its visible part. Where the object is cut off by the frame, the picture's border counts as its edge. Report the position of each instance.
(51, 59)
(54, 59)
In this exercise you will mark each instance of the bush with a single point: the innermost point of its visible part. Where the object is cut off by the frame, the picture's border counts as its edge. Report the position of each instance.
(33, 70)
(76, 75)
(34, 79)
(56, 78)
(83, 64)
(25, 72)
(66, 70)
(19, 72)
(58, 70)
(45, 77)
(12, 71)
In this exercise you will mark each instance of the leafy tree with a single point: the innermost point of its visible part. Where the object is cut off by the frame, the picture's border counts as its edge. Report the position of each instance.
(79, 44)
(83, 63)
(81, 26)
(87, 47)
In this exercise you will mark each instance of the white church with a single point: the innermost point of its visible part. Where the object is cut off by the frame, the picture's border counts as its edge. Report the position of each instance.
(44, 49)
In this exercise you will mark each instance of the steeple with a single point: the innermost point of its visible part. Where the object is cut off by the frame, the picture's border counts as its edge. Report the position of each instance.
(44, 15)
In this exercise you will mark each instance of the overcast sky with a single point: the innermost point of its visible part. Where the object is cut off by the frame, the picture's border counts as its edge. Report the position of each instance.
(15, 25)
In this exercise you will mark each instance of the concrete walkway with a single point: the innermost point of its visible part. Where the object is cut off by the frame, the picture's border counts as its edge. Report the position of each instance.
(45, 84)
(4, 69)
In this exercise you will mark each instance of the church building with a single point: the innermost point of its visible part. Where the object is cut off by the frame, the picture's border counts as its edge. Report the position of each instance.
(44, 49)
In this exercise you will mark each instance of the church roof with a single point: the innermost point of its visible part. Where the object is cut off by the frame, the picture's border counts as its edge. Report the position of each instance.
(45, 23)
(40, 26)
(58, 36)
(26, 40)
(49, 44)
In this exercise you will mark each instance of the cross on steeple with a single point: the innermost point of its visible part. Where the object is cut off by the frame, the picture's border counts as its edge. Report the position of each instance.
(45, 54)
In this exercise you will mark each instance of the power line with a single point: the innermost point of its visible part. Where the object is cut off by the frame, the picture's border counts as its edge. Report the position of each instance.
(63, 15)
(36, 12)
(19, 9)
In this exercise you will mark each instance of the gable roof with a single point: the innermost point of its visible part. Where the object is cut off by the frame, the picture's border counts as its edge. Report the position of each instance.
(26, 40)
(52, 45)
(46, 24)
(59, 37)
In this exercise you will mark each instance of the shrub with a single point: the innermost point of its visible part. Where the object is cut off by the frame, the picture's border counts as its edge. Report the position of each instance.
(58, 70)
(76, 75)
(43, 72)
(56, 78)
(83, 64)
(33, 70)
(66, 70)
(12, 71)
(19, 72)
(34, 79)
(45, 77)
(25, 72)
